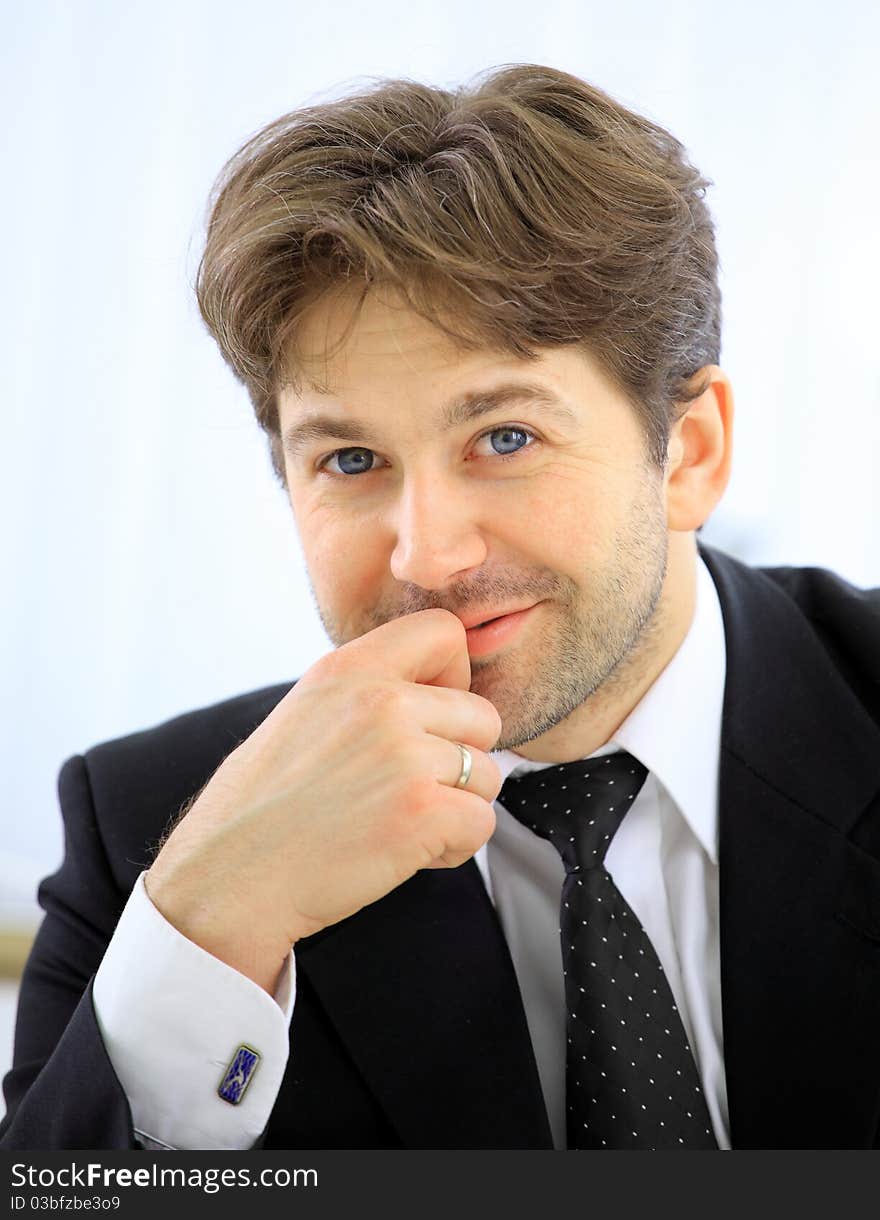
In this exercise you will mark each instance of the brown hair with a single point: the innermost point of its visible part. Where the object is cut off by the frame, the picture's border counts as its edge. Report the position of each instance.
(540, 209)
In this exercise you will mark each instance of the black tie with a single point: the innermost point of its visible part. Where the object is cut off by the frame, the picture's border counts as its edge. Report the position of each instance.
(631, 1080)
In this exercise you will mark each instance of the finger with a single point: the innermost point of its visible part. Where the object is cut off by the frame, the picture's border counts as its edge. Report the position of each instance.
(468, 823)
(446, 767)
(454, 714)
(429, 646)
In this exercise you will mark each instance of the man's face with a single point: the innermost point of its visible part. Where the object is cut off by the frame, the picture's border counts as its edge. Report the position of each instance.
(422, 476)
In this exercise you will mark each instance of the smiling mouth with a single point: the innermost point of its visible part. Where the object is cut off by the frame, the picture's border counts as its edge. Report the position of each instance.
(502, 631)
(493, 618)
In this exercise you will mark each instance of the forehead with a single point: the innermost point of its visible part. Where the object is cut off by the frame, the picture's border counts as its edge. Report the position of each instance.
(345, 338)
(375, 352)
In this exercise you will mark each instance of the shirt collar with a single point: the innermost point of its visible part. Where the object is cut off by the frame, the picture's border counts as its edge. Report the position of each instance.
(675, 728)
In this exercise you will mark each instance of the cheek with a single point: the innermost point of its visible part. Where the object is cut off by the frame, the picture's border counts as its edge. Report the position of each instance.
(560, 519)
(346, 567)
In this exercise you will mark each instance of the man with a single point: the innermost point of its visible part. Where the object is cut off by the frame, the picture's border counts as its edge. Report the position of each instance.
(481, 331)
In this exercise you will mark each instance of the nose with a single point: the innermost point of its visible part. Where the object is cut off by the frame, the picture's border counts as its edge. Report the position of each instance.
(437, 535)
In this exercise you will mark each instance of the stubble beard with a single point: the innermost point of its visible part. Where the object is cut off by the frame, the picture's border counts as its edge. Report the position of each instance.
(593, 639)
(590, 645)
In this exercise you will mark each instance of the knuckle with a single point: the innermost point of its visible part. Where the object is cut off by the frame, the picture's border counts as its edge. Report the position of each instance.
(476, 826)
(492, 721)
(448, 622)
(326, 667)
(494, 781)
(486, 716)
(482, 823)
(380, 700)
(490, 819)
(421, 794)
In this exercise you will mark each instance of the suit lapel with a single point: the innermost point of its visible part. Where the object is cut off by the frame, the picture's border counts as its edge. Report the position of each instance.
(800, 902)
(421, 989)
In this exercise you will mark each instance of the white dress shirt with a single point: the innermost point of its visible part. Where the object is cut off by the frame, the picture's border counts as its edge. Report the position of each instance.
(172, 1016)
(663, 859)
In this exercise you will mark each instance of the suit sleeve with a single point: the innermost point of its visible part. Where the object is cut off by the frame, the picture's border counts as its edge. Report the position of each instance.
(62, 1091)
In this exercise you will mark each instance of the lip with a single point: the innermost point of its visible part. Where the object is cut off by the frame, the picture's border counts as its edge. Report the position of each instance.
(475, 618)
(500, 630)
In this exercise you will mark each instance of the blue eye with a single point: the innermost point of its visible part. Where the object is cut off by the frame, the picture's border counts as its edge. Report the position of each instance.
(353, 461)
(506, 442)
(510, 439)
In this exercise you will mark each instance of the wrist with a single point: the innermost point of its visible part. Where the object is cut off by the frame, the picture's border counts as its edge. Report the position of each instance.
(239, 945)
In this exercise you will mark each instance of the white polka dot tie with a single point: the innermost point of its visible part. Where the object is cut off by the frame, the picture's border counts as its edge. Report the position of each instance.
(631, 1080)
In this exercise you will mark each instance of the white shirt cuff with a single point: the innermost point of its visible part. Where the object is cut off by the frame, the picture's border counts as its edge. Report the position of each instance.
(172, 1017)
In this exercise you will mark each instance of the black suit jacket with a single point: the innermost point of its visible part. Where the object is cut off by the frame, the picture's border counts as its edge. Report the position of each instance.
(409, 1027)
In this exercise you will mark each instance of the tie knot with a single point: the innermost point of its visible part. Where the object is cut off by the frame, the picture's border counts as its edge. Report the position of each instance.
(578, 806)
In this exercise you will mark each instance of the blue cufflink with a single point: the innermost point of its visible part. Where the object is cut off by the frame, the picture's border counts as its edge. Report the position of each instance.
(238, 1075)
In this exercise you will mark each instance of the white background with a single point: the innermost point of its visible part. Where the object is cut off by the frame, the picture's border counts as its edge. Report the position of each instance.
(150, 563)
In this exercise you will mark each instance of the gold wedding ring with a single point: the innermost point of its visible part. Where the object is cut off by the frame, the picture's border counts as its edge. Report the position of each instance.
(466, 763)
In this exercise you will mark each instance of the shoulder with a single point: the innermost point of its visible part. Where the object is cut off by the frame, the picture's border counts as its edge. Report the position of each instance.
(823, 595)
(137, 784)
(202, 736)
(845, 619)
(842, 618)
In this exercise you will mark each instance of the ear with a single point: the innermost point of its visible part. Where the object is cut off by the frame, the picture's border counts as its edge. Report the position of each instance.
(699, 452)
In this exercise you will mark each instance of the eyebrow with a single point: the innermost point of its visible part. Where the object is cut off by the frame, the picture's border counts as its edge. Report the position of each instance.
(462, 410)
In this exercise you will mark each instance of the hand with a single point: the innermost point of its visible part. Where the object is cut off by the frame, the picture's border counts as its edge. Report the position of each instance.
(344, 791)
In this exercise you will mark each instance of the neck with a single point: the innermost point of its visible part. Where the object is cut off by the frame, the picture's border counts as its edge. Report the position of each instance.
(594, 723)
